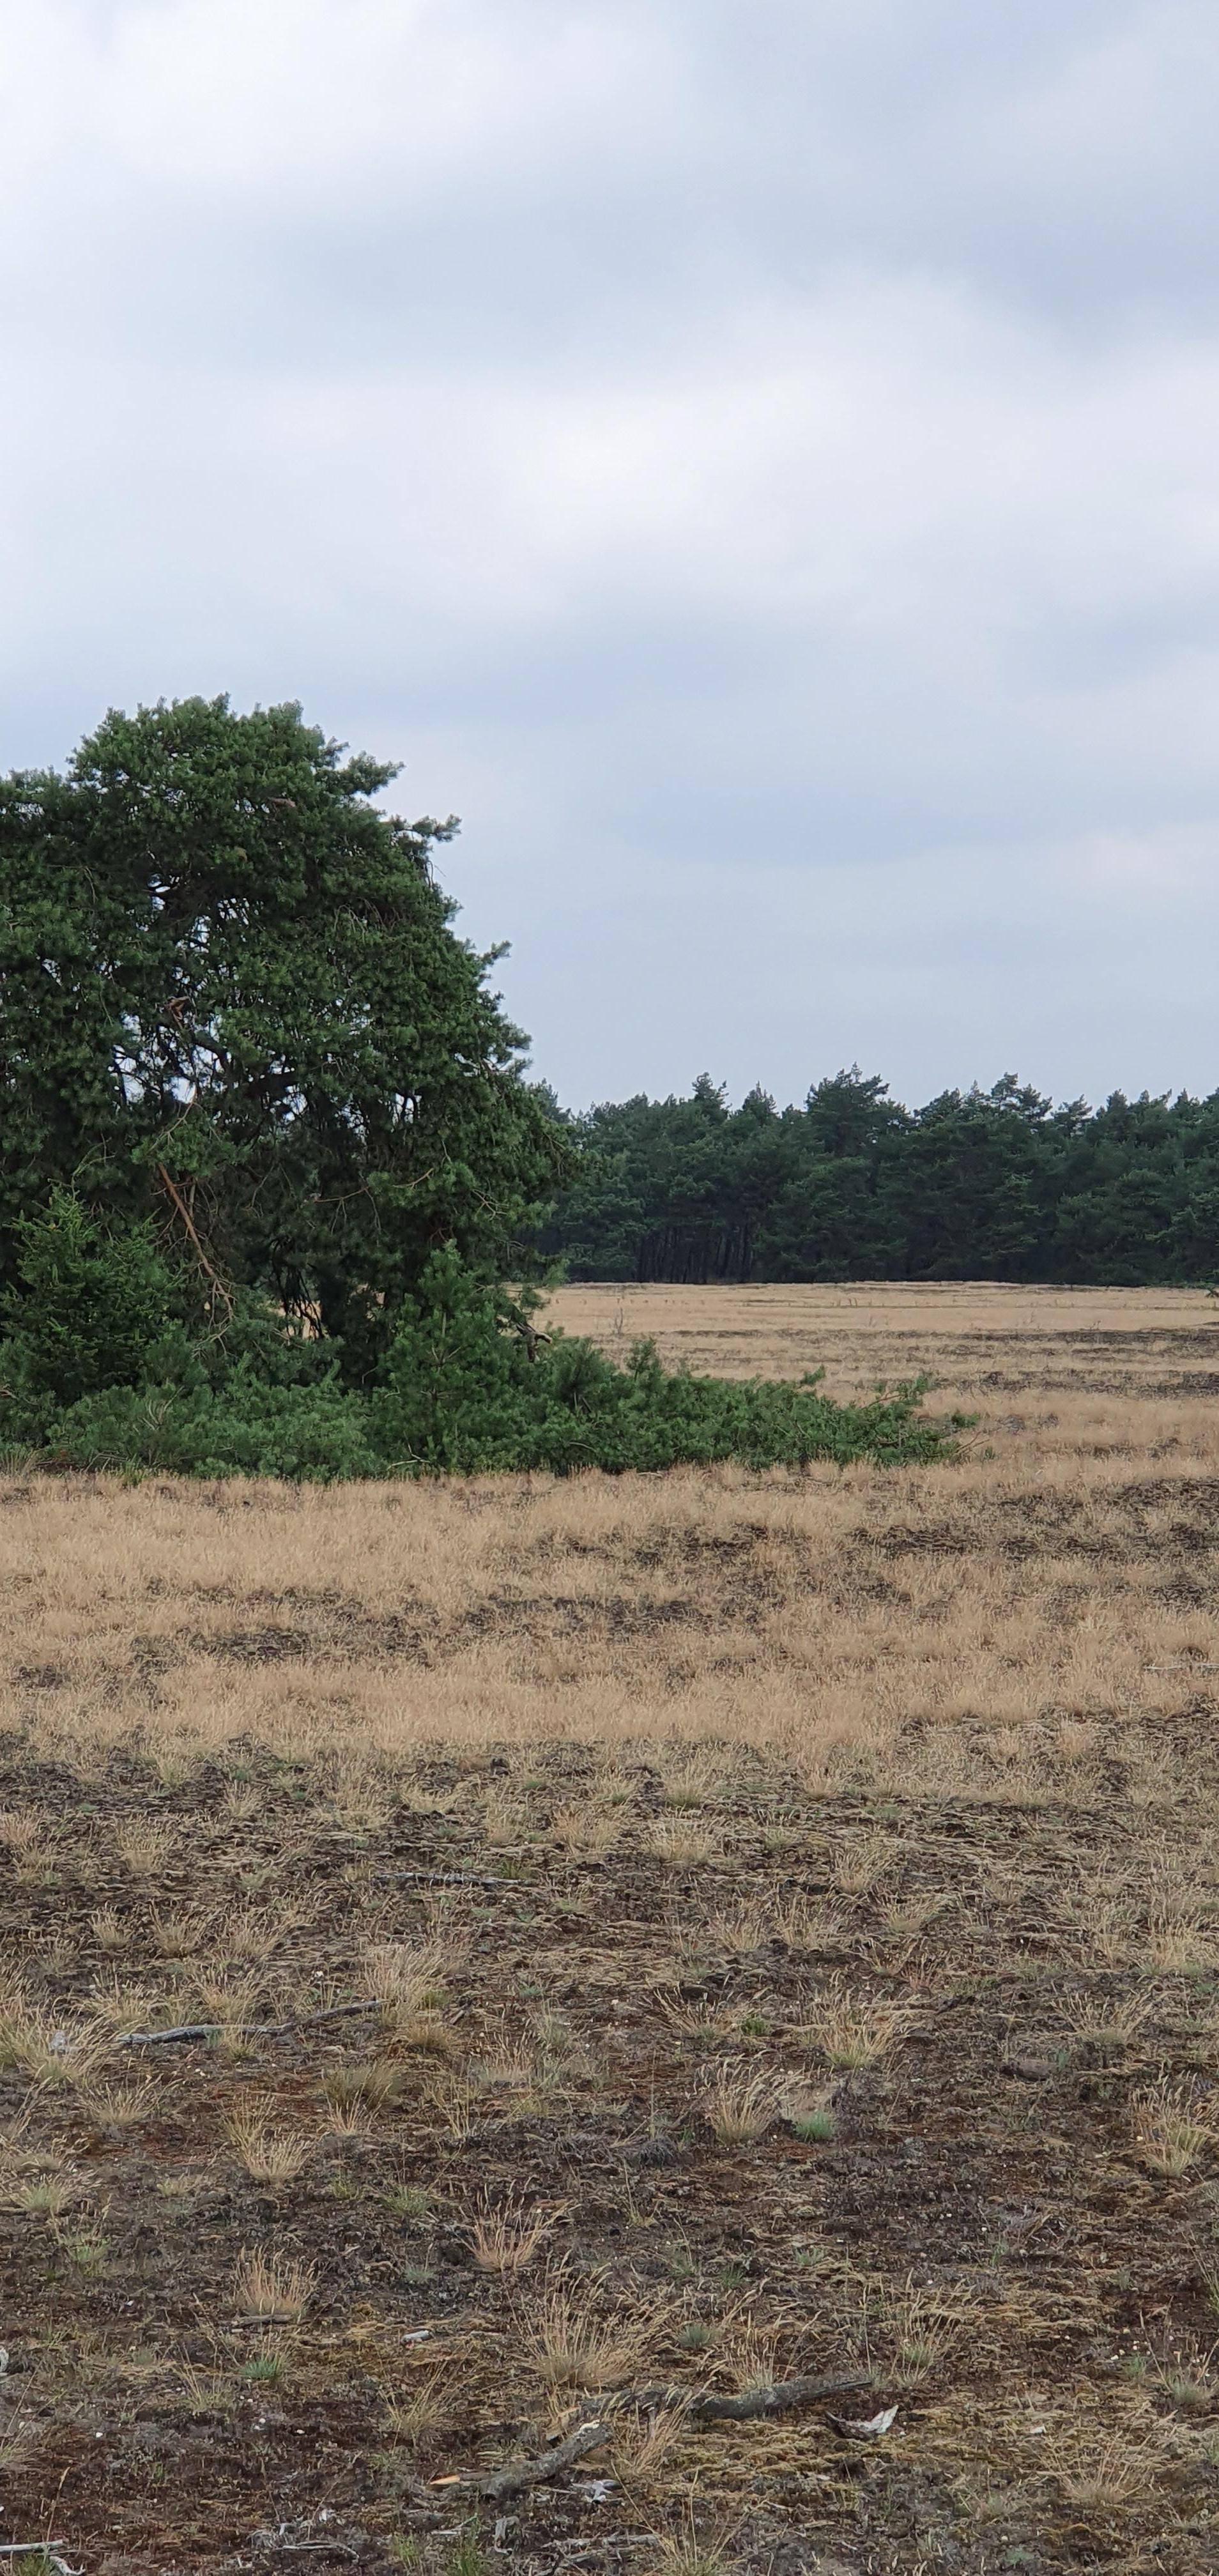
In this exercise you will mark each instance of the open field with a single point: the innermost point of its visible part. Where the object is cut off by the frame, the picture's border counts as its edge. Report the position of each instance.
(658, 1942)
(980, 1342)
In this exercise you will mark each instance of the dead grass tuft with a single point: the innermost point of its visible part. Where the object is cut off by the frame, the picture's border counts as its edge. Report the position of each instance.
(1171, 2128)
(575, 2340)
(852, 2033)
(506, 2238)
(22, 1829)
(38, 2044)
(859, 1865)
(922, 2333)
(271, 2289)
(800, 1924)
(739, 2109)
(178, 1936)
(372, 2083)
(587, 1828)
(1102, 2473)
(678, 1839)
(644, 2444)
(120, 2106)
(143, 1845)
(268, 2152)
(739, 1929)
(419, 2415)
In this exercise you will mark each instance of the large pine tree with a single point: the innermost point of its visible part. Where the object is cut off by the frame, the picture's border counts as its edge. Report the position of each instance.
(232, 1000)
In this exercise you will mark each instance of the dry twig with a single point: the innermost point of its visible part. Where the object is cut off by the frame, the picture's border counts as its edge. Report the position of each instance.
(243, 2029)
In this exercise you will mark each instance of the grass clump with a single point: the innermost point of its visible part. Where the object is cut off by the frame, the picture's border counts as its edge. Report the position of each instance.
(739, 2109)
(1171, 2128)
(271, 2289)
(504, 2240)
(575, 2342)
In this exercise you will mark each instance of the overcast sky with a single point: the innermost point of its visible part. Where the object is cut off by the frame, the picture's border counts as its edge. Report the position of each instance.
(756, 460)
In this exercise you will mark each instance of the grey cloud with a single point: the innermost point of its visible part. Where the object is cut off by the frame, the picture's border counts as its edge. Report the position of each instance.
(755, 458)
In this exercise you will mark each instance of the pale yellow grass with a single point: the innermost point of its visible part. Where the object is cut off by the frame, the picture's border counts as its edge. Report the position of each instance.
(987, 1622)
(866, 1328)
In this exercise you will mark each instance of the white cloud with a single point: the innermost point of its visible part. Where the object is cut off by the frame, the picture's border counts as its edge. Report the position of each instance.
(320, 101)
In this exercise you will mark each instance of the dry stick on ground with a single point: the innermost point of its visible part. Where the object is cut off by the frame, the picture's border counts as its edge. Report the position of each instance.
(786, 2394)
(498, 2483)
(447, 1878)
(242, 2029)
(777, 2400)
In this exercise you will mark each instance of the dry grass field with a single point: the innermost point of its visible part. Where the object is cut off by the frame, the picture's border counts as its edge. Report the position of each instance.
(666, 2026)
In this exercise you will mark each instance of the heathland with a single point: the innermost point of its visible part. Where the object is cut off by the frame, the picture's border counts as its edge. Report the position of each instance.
(722, 1959)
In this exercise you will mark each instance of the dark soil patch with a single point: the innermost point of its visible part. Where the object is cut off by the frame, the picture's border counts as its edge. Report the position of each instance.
(980, 2226)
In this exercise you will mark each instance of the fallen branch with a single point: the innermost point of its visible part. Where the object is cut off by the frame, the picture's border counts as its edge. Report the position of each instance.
(495, 2484)
(447, 1878)
(241, 2029)
(785, 2395)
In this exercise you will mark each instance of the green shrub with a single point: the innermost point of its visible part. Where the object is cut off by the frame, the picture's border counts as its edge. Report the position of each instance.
(245, 1428)
(466, 1395)
(89, 1309)
(103, 1370)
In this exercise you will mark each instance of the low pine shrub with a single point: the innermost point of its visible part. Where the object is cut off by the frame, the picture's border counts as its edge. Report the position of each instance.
(105, 1367)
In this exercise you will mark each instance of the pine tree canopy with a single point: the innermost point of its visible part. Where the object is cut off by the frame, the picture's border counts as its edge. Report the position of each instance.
(232, 1002)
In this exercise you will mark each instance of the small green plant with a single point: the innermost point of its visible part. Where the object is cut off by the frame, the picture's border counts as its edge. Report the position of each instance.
(409, 2202)
(87, 2249)
(1192, 2395)
(43, 2196)
(467, 2556)
(815, 2127)
(1188, 2379)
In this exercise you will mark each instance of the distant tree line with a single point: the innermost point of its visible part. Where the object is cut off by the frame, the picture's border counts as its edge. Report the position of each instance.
(998, 1184)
